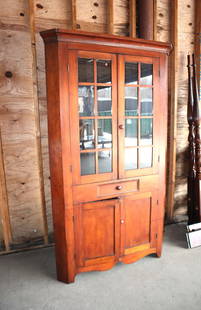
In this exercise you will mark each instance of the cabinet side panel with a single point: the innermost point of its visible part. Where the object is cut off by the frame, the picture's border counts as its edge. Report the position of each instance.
(54, 57)
(163, 130)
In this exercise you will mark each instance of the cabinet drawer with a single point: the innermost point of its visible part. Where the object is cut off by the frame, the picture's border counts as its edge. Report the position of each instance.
(92, 192)
(117, 188)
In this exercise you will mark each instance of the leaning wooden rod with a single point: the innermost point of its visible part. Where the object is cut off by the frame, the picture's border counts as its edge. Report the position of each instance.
(194, 138)
(191, 151)
(197, 123)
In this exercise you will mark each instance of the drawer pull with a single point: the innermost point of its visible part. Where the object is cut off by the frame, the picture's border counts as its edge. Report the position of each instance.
(118, 187)
(122, 221)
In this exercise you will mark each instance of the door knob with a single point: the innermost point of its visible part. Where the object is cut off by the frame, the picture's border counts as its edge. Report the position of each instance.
(121, 126)
(118, 187)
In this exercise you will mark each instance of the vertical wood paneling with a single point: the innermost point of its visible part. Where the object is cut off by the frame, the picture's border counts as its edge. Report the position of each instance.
(19, 117)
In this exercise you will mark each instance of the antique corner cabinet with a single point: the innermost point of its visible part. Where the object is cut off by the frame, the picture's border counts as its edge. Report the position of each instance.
(107, 118)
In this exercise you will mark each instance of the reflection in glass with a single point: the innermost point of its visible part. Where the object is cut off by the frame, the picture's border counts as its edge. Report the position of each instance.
(87, 163)
(130, 158)
(146, 155)
(146, 101)
(146, 131)
(104, 101)
(104, 71)
(85, 70)
(146, 76)
(104, 133)
(86, 100)
(104, 161)
(87, 137)
(130, 132)
(131, 73)
(131, 101)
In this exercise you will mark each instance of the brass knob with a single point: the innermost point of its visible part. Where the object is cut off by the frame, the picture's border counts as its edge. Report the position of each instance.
(121, 126)
(118, 187)
(122, 221)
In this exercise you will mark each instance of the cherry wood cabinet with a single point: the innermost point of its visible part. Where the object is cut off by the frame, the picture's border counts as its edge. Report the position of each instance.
(107, 122)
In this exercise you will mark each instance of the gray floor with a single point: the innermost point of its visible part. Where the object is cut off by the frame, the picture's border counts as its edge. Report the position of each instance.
(27, 281)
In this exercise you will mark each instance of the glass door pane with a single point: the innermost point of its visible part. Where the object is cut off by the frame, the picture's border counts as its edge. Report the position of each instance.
(95, 101)
(137, 104)
(104, 101)
(95, 98)
(86, 100)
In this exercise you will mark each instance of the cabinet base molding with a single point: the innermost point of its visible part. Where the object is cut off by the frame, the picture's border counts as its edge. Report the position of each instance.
(128, 259)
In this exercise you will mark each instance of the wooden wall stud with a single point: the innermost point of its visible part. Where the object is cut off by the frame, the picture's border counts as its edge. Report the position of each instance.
(146, 19)
(110, 16)
(74, 14)
(37, 117)
(171, 171)
(132, 18)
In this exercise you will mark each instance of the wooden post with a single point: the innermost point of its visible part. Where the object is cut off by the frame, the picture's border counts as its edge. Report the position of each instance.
(191, 152)
(197, 126)
(74, 14)
(132, 18)
(4, 212)
(110, 16)
(173, 94)
(146, 19)
(37, 117)
(198, 41)
(155, 20)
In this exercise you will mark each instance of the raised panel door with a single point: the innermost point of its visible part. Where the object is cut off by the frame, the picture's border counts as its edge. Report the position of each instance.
(138, 229)
(97, 233)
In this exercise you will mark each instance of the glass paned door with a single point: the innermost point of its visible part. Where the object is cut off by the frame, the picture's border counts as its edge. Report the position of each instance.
(94, 116)
(138, 86)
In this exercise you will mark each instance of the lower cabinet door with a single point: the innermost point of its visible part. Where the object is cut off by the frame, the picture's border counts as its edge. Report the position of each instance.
(97, 234)
(138, 231)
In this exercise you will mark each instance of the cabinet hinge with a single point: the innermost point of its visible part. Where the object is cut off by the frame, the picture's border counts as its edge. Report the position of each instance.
(157, 202)
(159, 73)
(158, 158)
(73, 218)
(68, 68)
(156, 236)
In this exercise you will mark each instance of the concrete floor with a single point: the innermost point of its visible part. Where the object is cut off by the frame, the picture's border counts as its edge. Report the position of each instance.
(28, 281)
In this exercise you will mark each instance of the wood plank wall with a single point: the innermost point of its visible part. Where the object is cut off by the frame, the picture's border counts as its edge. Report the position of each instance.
(23, 111)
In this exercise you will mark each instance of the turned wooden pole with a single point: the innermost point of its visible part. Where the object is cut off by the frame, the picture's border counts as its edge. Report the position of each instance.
(191, 153)
(197, 122)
